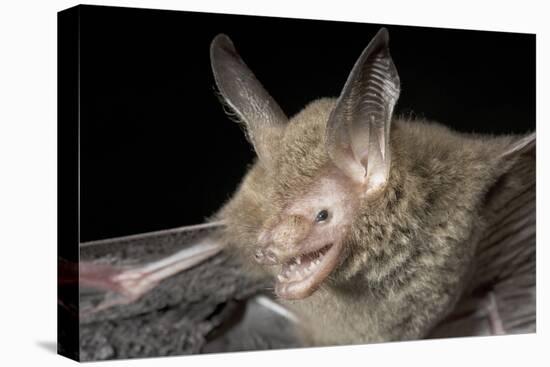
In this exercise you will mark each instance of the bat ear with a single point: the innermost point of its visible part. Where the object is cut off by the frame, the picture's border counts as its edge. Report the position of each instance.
(244, 94)
(358, 129)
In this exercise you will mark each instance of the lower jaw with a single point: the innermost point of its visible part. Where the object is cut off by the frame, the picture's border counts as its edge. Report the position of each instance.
(303, 288)
(294, 290)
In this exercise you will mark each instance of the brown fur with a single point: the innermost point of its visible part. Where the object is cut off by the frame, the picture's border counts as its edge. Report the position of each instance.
(409, 251)
(410, 201)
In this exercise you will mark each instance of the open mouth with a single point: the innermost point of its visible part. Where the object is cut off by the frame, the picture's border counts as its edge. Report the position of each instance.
(303, 274)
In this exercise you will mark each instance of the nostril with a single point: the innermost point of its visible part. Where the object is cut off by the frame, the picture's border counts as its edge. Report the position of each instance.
(259, 255)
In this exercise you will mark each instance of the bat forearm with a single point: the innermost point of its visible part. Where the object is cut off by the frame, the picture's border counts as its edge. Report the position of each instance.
(131, 283)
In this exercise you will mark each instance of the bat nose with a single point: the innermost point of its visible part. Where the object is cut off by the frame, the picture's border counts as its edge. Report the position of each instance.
(266, 256)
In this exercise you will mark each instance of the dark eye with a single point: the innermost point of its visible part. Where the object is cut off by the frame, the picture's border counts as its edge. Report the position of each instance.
(321, 216)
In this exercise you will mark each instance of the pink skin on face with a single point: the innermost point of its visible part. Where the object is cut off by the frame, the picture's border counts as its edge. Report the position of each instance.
(307, 237)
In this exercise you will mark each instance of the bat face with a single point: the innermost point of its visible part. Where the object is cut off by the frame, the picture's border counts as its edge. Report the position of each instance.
(307, 235)
(318, 167)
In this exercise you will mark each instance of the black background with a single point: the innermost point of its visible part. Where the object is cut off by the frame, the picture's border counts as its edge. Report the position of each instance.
(156, 149)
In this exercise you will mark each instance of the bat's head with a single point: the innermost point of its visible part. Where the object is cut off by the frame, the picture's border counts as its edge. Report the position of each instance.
(314, 172)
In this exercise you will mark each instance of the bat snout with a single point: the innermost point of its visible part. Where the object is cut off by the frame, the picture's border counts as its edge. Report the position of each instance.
(281, 239)
(272, 255)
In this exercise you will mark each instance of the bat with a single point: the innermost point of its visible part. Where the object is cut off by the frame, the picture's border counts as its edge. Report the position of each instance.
(371, 227)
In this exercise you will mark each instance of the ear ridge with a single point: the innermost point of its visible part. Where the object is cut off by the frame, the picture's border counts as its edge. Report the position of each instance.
(246, 96)
(359, 126)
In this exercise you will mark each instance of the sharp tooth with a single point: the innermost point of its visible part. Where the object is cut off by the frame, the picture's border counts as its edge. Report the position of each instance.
(292, 266)
(298, 260)
(281, 278)
(317, 262)
(311, 266)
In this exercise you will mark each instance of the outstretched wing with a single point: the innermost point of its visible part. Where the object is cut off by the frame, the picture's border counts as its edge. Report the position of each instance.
(211, 306)
(129, 267)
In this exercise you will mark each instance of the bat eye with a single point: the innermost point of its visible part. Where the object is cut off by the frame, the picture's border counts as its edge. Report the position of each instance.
(321, 216)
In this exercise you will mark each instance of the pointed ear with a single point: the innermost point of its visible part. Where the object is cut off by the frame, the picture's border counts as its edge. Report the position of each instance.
(262, 116)
(358, 129)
